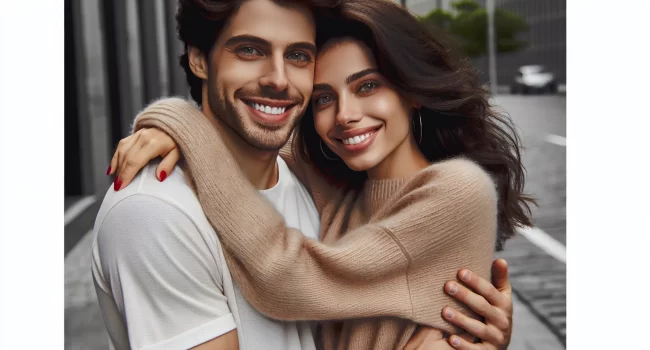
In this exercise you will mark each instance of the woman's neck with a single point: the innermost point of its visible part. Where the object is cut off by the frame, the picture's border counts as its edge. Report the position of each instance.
(405, 161)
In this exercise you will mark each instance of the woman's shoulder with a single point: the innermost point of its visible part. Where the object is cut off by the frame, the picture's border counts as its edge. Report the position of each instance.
(458, 177)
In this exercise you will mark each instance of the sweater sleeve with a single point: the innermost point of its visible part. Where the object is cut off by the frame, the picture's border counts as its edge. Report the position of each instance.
(385, 268)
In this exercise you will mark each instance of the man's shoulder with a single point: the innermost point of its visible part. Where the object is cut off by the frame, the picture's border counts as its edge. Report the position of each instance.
(164, 212)
(174, 191)
(150, 217)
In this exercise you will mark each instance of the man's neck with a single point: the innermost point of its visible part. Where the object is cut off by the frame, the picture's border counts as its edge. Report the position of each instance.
(260, 167)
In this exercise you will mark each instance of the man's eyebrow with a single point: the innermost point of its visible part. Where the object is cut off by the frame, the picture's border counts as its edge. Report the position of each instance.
(354, 76)
(307, 46)
(240, 39)
(321, 87)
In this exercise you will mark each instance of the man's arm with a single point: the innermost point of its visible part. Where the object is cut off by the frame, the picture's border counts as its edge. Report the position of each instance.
(493, 302)
(155, 273)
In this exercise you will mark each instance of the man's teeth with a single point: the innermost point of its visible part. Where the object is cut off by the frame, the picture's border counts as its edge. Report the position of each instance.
(268, 109)
(357, 139)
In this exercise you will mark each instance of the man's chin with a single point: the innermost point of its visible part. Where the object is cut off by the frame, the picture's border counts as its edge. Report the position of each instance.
(264, 138)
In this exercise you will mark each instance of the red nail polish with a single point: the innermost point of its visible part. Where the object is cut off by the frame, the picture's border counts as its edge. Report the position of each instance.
(163, 176)
(109, 170)
(117, 184)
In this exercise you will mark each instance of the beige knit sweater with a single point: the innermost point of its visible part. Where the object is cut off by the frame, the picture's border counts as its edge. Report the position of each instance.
(385, 253)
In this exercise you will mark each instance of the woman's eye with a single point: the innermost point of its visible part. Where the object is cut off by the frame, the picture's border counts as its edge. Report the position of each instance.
(323, 100)
(367, 86)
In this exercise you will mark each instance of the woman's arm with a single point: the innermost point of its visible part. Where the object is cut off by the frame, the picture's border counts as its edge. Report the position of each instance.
(394, 267)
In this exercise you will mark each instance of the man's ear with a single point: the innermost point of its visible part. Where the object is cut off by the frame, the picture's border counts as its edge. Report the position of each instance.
(198, 63)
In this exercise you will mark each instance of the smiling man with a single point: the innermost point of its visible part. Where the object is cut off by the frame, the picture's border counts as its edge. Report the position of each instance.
(159, 269)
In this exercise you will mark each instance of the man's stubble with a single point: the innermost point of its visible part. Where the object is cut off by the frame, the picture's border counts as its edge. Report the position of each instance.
(258, 136)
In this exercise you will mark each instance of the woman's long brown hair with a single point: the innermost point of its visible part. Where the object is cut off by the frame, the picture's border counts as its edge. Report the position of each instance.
(457, 119)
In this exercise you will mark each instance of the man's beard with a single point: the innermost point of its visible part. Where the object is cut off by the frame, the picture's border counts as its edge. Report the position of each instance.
(258, 136)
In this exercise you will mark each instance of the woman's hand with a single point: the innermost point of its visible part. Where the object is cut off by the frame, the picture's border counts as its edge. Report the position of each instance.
(135, 151)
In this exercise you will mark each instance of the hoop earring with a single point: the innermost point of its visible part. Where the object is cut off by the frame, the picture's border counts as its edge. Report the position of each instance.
(323, 152)
(420, 117)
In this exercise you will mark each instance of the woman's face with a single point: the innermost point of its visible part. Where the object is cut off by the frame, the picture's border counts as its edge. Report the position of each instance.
(357, 113)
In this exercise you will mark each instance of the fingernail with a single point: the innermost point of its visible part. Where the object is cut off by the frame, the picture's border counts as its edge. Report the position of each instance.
(109, 170)
(453, 288)
(449, 314)
(117, 184)
(455, 341)
(464, 275)
(163, 176)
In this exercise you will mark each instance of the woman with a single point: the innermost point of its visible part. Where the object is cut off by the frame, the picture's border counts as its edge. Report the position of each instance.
(410, 170)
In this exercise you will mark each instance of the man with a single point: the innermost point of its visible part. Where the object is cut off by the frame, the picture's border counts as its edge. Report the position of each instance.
(160, 274)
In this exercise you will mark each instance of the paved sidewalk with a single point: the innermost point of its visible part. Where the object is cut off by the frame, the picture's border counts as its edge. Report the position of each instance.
(539, 281)
(529, 333)
(84, 326)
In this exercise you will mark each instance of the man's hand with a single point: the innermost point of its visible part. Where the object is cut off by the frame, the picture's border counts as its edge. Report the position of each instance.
(427, 338)
(491, 301)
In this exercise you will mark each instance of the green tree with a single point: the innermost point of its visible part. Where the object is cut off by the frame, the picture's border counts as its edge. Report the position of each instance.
(468, 27)
(438, 19)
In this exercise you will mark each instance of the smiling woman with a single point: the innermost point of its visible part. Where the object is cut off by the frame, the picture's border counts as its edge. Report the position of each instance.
(422, 100)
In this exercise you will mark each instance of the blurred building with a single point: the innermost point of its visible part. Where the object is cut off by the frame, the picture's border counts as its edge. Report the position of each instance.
(119, 56)
(422, 7)
(546, 37)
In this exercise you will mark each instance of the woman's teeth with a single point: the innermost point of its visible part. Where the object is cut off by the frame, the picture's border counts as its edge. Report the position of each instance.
(268, 109)
(357, 139)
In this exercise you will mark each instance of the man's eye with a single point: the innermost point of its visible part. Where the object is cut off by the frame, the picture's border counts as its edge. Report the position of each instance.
(299, 56)
(367, 86)
(249, 51)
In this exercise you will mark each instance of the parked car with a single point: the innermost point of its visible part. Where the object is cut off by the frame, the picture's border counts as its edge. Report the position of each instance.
(533, 79)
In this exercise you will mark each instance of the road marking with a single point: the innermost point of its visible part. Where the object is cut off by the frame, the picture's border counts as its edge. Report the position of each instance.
(556, 139)
(543, 240)
(76, 209)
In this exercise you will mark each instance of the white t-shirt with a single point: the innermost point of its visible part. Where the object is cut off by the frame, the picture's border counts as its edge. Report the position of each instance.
(160, 274)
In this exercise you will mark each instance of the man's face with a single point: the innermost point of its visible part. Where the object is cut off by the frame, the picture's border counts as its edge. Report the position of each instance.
(261, 72)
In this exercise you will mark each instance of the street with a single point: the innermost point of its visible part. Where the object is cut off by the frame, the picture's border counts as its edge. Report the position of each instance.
(535, 256)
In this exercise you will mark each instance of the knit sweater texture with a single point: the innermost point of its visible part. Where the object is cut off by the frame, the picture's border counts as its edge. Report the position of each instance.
(385, 252)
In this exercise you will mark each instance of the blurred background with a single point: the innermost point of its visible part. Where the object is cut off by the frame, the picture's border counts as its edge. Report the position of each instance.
(122, 54)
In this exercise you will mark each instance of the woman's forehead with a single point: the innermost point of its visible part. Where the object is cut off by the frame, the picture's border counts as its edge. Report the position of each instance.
(342, 58)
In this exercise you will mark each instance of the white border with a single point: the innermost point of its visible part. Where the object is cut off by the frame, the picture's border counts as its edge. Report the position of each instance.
(608, 258)
(608, 241)
(31, 175)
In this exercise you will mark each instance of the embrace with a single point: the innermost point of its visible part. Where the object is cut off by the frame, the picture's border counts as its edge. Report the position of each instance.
(340, 182)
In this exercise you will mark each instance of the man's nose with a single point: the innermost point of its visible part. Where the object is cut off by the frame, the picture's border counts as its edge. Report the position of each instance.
(276, 76)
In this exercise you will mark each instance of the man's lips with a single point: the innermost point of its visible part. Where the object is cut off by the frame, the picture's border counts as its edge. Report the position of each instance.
(269, 102)
(271, 112)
